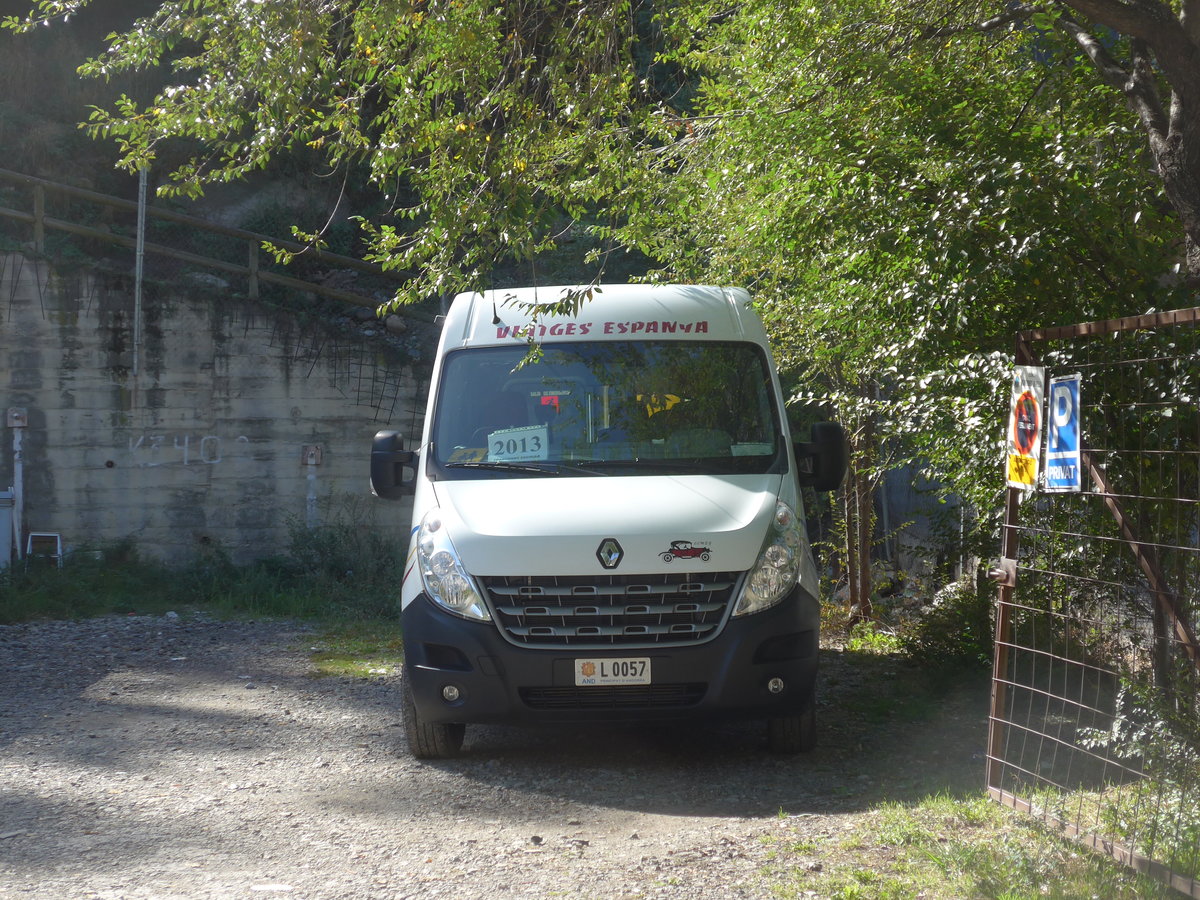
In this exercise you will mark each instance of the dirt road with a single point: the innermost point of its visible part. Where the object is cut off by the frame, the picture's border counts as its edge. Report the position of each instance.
(170, 757)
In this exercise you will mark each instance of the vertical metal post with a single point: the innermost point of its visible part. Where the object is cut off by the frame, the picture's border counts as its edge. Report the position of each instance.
(1006, 576)
(890, 552)
(18, 419)
(310, 454)
(6, 528)
(39, 219)
(138, 267)
(960, 566)
(252, 287)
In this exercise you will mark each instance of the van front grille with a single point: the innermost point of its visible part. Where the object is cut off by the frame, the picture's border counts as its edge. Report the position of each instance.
(606, 611)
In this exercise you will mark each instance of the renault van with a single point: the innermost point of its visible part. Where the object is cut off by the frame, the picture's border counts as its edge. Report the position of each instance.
(608, 522)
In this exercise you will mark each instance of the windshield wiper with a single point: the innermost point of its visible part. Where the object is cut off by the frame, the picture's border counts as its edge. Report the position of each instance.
(654, 464)
(531, 468)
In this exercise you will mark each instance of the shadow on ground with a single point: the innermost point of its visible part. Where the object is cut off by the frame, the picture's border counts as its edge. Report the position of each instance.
(888, 731)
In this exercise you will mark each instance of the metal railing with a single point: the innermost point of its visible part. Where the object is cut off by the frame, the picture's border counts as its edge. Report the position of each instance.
(250, 266)
(1095, 719)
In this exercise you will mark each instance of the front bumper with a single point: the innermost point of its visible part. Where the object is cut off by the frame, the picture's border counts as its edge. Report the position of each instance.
(500, 682)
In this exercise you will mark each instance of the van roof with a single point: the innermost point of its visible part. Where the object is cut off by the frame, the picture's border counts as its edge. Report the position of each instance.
(602, 312)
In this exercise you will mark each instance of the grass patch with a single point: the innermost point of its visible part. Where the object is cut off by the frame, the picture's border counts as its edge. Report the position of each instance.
(1158, 819)
(368, 649)
(944, 848)
(115, 581)
(344, 571)
(911, 698)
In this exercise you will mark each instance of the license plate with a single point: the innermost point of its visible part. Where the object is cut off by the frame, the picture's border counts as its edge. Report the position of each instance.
(612, 671)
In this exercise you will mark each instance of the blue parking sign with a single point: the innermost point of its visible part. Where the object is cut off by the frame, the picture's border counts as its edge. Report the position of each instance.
(1064, 471)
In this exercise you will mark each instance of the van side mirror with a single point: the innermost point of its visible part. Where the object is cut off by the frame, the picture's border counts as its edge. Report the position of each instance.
(827, 455)
(389, 459)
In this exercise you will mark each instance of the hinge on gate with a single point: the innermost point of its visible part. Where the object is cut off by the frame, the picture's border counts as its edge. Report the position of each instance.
(1004, 572)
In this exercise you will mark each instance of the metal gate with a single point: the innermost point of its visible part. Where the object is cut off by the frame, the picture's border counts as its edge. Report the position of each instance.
(1095, 717)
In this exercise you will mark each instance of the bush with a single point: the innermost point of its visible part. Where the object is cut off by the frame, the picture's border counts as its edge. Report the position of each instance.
(114, 579)
(955, 632)
(343, 570)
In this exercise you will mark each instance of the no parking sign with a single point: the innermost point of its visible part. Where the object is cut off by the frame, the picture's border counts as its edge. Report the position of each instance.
(1025, 426)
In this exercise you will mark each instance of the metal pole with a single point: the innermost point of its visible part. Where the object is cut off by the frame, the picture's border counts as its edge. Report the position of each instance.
(39, 219)
(1005, 576)
(252, 286)
(310, 455)
(18, 495)
(17, 420)
(139, 261)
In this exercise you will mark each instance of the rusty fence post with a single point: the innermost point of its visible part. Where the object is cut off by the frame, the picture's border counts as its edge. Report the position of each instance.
(1005, 575)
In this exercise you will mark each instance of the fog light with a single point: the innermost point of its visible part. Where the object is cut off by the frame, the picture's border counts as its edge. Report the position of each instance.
(775, 685)
(451, 694)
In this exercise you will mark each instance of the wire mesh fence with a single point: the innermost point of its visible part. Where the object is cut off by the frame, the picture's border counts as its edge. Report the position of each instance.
(1095, 721)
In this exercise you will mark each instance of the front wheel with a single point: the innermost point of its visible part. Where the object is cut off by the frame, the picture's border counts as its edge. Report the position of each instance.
(430, 740)
(795, 733)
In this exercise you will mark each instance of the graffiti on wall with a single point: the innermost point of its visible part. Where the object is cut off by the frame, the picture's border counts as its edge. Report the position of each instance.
(149, 450)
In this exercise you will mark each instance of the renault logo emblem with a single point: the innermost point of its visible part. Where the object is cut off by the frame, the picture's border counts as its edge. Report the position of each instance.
(609, 553)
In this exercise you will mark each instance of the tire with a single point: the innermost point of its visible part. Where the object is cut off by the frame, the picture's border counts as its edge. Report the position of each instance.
(793, 734)
(429, 740)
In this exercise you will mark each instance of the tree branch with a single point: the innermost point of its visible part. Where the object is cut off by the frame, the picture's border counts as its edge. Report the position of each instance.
(1018, 12)
(1142, 90)
(1172, 39)
(1137, 18)
(1136, 83)
(1111, 71)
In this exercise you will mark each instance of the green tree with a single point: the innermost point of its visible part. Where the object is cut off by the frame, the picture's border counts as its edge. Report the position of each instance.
(1147, 52)
(902, 205)
(481, 122)
(903, 186)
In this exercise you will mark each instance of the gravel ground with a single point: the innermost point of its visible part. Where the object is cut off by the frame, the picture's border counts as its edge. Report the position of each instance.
(175, 757)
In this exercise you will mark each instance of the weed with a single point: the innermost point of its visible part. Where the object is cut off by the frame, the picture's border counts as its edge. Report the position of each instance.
(870, 637)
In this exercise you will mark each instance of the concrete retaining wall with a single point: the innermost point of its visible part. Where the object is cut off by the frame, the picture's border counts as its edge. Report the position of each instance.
(229, 422)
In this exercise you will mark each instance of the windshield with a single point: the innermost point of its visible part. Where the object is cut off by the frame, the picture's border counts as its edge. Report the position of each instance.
(606, 408)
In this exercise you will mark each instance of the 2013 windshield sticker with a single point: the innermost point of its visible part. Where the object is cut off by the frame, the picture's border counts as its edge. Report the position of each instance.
(529, 443)
(687, 550)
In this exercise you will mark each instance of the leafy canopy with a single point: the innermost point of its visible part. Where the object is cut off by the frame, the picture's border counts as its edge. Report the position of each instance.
(901, 188)
(479, 122)
(902, 206)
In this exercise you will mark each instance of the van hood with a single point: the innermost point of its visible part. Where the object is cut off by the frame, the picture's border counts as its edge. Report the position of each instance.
(555, 526)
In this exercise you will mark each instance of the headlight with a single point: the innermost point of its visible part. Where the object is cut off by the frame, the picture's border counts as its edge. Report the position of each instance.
(778, 565)
(446, 581)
